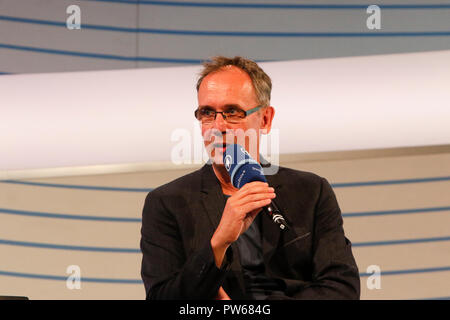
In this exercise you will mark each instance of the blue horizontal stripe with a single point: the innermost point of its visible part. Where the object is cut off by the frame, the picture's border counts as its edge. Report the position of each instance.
(98, 55)
(132, 250)
(67, 247)
(388, 182)
(122, 219)
(67, 216)
(240, 5)
(403, 241)
(334, 185)
(389, 212)
(138, 281)
(71, 186)
(407, 271)
(64, 278)
(83, 26)
(224, 33)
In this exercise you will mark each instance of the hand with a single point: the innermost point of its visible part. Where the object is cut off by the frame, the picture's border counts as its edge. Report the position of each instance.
(239, 213)
(222, 295)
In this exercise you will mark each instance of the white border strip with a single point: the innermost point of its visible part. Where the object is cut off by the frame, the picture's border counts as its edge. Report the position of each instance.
(169, 166)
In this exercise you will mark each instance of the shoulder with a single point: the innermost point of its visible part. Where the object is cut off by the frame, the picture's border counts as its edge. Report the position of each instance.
(171, 197)
(298, 177)
(303, 183)
(182, 185)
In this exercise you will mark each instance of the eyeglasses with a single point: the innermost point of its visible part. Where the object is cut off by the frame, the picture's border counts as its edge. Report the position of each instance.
(207, 115)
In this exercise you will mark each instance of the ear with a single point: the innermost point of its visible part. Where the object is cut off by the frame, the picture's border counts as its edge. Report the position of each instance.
(267, 115)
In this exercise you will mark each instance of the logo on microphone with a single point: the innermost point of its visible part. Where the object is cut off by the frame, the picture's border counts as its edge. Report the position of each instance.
(259, 170)
(227, 162)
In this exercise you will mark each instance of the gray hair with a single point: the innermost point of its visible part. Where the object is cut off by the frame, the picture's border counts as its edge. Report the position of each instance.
(261, 81)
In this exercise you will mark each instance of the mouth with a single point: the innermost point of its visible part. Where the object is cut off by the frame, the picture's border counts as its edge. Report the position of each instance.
(220, 146)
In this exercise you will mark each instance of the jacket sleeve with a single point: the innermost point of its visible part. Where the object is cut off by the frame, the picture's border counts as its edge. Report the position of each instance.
(166, 271)
(334, 271)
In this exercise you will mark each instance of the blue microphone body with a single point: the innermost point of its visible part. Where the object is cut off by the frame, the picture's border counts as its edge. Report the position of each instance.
(241, 166)
(244, 169)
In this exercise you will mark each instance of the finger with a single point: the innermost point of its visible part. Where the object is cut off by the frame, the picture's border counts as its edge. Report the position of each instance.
(222, 295)
(255, 205)
(253, 184)
(252, 214)
(260, 187)
(254, 197)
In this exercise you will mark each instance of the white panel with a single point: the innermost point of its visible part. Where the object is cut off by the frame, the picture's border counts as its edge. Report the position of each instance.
(87, 118)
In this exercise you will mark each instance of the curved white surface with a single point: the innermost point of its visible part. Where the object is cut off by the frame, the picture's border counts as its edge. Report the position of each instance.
(110, 117)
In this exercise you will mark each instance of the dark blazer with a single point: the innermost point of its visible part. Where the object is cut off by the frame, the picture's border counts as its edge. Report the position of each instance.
(313, 260)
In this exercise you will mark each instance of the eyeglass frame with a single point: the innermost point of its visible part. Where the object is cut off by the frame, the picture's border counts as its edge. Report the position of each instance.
(247, 112)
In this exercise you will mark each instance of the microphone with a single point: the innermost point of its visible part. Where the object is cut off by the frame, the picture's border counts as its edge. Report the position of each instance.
(244, 169)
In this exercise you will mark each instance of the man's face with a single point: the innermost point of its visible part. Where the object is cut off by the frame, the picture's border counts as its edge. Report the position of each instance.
(221, 90)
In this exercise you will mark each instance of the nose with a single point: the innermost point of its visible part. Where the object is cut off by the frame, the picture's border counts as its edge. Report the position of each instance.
(220, 123)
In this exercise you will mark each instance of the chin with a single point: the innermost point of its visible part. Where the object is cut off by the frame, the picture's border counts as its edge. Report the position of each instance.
(217, 159)
(215, 154)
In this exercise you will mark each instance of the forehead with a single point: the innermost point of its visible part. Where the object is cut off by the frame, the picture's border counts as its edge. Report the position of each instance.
(229, 85)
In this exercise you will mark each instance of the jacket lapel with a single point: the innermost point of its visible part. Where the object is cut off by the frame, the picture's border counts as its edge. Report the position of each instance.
(213, 203)
(211, 195)
(273, 237)
(269, 230)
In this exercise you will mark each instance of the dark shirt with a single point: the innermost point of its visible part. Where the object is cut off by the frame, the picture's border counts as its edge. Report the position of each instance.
(258, 286)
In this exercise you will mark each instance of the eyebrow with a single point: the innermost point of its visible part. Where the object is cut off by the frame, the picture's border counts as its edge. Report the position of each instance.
(227, 106)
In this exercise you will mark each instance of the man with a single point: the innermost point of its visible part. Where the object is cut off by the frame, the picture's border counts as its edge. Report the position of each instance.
(204, 239)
